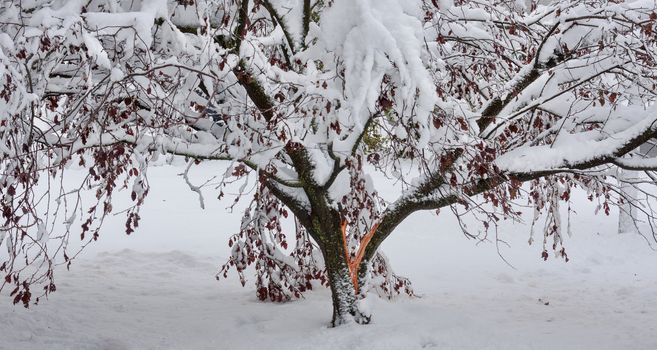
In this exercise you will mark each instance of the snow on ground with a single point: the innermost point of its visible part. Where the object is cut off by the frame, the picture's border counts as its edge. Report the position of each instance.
(156, 290)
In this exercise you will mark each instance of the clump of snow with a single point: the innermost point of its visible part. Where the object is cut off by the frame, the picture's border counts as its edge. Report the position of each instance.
(116, 74)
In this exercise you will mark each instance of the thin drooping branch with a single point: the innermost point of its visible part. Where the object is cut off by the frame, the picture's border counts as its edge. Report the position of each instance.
(170, 146)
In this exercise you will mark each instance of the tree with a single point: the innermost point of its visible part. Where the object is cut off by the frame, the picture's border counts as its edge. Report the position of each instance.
(469, 105)
(626, 211)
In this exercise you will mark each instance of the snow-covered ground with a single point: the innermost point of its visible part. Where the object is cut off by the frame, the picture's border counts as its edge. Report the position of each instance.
(156, 290)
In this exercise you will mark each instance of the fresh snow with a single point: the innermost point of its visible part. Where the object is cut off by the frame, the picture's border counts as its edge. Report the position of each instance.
(156, 289)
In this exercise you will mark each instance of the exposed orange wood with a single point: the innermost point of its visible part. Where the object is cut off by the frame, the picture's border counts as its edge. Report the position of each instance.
(363, 245)
(343, 227)
(354, 264)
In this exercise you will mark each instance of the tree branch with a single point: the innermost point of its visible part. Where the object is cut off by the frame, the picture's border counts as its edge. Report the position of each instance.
(497, 104)
(300, 211)
(636, 163)
(277, 17)
(307, 13)
(405, 206)
(337, 168)
(242, 25)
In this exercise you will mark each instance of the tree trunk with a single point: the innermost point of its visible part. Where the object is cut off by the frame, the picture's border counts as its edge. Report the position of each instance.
(626, 215)
(343, 291)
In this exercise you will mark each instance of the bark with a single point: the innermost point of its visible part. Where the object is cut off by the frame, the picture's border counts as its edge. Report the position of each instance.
(343, 293)
(343, 290)
(626, 209)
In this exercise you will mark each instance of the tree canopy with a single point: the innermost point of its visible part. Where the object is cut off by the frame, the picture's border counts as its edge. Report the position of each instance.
(460, 102)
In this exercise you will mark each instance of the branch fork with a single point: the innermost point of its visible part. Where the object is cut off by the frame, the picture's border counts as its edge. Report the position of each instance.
(354, 263)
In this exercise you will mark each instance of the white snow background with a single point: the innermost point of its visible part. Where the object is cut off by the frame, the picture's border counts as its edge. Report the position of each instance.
(156, 289)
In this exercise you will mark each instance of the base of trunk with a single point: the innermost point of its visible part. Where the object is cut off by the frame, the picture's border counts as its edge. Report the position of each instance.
(355, 315)
(345, 302)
